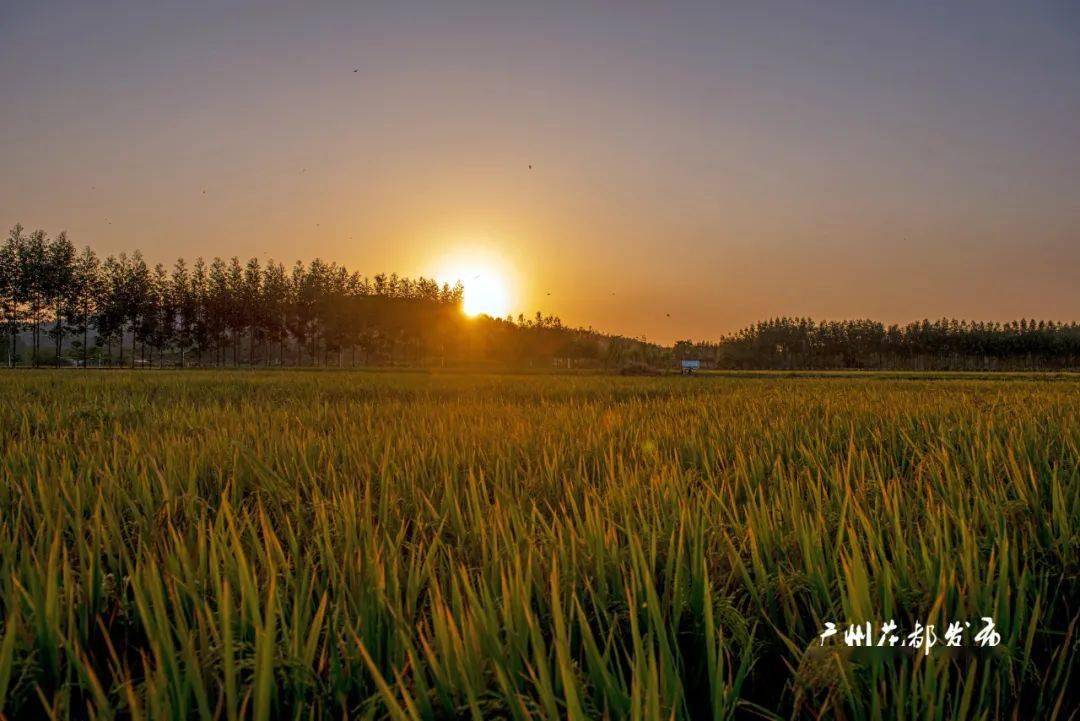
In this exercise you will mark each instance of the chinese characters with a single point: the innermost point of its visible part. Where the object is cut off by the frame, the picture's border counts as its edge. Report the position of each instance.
(923, 637)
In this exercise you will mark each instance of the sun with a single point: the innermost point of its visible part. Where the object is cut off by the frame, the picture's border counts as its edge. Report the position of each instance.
(489, 281)
(485, 282)
(485, 294)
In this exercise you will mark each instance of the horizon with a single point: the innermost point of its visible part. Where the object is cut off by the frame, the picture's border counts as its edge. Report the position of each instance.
(676, 173)
(449, 282)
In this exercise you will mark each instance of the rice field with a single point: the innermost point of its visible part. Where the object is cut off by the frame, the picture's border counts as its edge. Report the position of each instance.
(310, 545)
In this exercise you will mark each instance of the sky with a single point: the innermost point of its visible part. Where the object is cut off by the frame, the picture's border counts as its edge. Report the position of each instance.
(695, 167)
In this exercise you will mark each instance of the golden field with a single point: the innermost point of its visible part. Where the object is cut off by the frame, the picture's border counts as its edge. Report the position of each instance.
(291, 544)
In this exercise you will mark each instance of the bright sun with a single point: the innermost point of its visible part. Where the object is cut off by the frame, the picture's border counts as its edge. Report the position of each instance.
(485, 293)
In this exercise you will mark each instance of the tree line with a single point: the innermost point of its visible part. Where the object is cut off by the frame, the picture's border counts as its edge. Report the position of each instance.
(120, 311)
(944, 344)
(61, 305)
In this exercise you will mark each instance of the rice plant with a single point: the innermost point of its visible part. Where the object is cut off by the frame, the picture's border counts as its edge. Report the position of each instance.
(308, 545)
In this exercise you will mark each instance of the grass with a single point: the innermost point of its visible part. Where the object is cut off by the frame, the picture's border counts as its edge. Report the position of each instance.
(255, 545)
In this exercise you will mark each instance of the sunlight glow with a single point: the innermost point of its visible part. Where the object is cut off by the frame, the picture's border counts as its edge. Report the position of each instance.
(486, 282)
(485, 292)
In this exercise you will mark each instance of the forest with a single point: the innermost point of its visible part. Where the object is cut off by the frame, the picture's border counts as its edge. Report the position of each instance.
(943, 344)
(63, 306)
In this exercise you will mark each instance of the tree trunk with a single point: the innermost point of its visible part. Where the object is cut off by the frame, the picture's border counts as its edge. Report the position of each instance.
(59, 328)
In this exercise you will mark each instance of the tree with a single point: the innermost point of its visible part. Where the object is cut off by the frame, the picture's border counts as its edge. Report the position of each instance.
(12, 287)
(324, 309)
(183, 306)
(87, 288)
(138, 306)
(33, 275)
(234, 311)
(199, 298)
(217, 307)
(252, 309)
(274, 301)
(57, 286)
(161, 314)
(111, 309)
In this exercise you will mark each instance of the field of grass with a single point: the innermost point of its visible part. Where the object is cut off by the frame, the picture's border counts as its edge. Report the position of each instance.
(301, 545)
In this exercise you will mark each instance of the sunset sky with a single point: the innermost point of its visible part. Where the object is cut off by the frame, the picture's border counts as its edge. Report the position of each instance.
(718, 162)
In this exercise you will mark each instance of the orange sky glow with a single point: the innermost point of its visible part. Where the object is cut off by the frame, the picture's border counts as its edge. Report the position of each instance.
(692, 169)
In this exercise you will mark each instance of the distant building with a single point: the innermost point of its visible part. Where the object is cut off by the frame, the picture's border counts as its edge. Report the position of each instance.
(690, 366)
